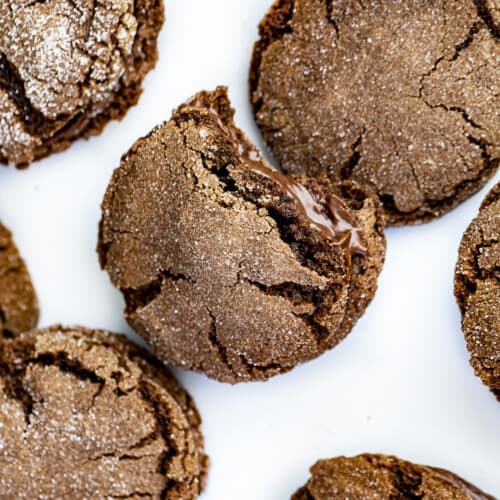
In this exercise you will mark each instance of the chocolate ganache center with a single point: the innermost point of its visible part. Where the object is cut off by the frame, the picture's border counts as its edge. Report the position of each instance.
(327, 214)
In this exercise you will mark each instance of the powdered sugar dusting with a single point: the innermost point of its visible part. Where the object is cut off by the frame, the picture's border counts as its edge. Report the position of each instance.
(14, 139)
(70, 56)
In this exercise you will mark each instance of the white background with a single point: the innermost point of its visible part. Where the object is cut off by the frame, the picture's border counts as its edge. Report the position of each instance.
(400, 383)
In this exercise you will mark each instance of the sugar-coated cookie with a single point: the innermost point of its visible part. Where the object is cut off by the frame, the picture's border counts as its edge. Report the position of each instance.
(380, 477)
(402, 97)
(86, 414)
(477, 288)
(227, 266)
(18, 302)
(68, 67)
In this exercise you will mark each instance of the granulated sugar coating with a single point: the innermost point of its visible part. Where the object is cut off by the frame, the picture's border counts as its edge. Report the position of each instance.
(18, 302)
(85, 414)
(401, 96)
(68, 67)
(477, 288)
(379, 477)
(227, 266)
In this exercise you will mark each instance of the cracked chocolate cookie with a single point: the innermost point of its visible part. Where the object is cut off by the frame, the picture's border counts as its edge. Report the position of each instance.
(86, 414)
(227, 266)
(18, 302)
(68, 67)
(381, 477)
(477, 289)
(402, 97)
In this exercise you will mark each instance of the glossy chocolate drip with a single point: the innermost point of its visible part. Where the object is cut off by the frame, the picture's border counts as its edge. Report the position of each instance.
(327, 215)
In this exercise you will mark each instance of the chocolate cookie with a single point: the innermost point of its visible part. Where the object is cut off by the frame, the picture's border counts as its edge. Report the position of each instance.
(227, 266)
(18, 302)
(383, 477)
(477, 289)
(68, 67)
(402, 97)
(86, 414)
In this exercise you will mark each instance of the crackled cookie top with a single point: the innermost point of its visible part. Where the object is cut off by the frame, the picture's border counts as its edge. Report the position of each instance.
(477, 288)
(64, 63)
(18, 302)
(403, 97)
(87, 415)
(380, 477)
(227, 266)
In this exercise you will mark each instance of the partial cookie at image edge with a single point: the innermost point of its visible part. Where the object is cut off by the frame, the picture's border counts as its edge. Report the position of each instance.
(317, 120)
(477, 290)
(372, 476)
(88, 88)
(18, 302)
(104, 417)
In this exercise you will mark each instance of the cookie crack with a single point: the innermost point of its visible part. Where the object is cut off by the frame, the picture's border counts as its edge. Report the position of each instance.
(140, 444)
(14, 389)
(465, 116)
(484, 13)
(276, 25)
(214, 340)
(474, 30)
(249, 367)
(4, 332)
(298, 294)
(13, 375)
(455, 109)
(427, 74)
(263, 369)
(411, 166)
(330, 18)
(104, 246)
(405, 479)
(488, 161)
(490, 165)
(354, 160)
(469, 284)
(12, 84)
(121, 458)
(219, 166)
(72, 366)
(459, 48)
(407, 484)
(88, 29)
(140, 297)
(164, 427)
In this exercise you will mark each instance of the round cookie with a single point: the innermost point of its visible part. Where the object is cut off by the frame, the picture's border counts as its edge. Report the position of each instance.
(68, 67)
(227, 266)
(402, 97)
(381, 477)
(86, 414)
(477, 289)
(18, 302)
